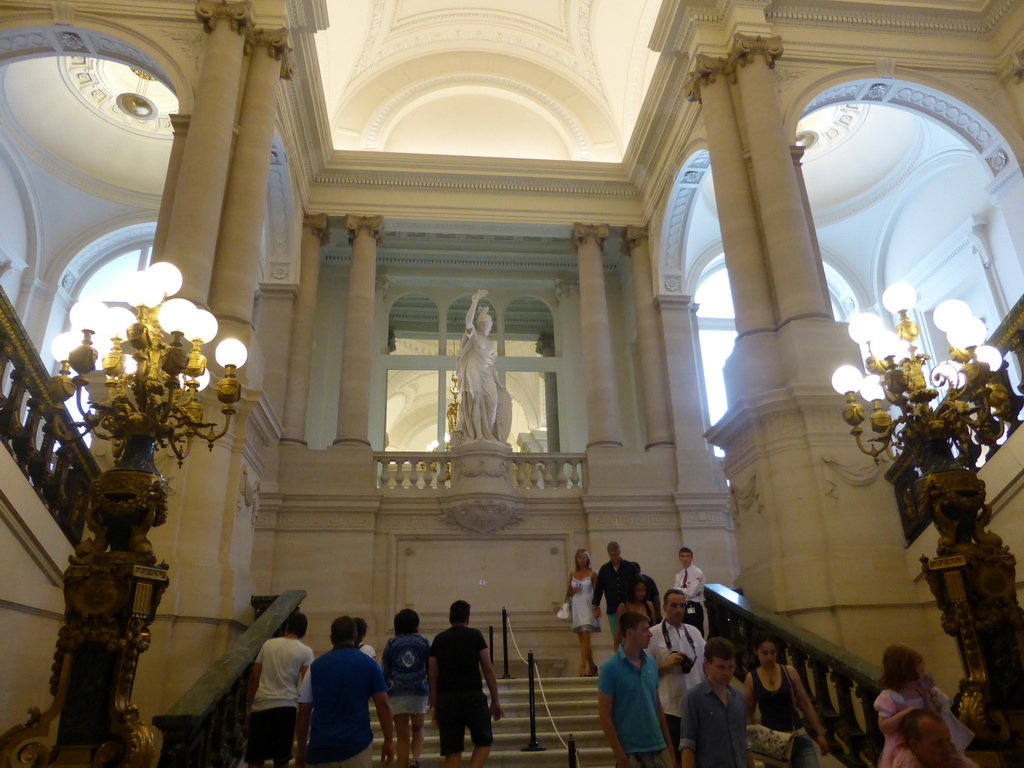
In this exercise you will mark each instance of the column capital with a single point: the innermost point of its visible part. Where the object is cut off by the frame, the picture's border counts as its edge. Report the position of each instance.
(566, 288)
(746, 47)
(275, 43)
(1012, 69)
(706, 69)
(180, 123)
(317, 224)
(373, 225)
(632, 238)
(239, 15)
(580, 233)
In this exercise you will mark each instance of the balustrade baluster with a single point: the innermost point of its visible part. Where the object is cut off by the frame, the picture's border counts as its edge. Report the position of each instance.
(400, 473)
(826, 711)
(849, 732)
(574, 473)
(527, 480)
(415, 473)
(547, 467)
(871, 750)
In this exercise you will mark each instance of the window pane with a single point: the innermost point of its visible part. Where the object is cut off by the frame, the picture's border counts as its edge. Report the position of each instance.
(527, 324)
(534, 411)
(103, 284)
(412, 406)
(714, 297)
(715, 348)
(413, 326)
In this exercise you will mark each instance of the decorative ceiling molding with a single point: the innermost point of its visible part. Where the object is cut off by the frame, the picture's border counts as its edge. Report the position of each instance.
(553, 107)
(905, 19)
(87, 78)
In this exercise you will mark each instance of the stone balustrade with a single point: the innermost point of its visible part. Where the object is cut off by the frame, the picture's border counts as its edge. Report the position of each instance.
(529, 471)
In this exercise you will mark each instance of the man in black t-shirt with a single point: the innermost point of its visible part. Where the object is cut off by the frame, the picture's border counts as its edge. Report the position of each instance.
(457, 700)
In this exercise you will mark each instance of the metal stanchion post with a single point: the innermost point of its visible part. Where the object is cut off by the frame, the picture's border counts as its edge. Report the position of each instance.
(504, 642)
(533, 746)
(490, 640)
(572, 752)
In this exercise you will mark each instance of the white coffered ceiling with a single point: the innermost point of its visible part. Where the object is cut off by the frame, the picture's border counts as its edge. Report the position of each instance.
(542, 79)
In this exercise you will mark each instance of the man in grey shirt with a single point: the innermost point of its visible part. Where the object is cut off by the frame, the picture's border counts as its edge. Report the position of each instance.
(713, 731)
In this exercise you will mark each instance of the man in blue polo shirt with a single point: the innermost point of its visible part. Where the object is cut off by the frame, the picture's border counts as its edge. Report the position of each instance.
(628, 704)
(332, 706)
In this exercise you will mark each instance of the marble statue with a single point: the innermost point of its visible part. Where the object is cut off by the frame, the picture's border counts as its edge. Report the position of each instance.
(486, 407)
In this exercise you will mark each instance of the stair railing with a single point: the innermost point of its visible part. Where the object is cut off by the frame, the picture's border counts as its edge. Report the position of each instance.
(59, 472)
(845, 707)
(205, 728)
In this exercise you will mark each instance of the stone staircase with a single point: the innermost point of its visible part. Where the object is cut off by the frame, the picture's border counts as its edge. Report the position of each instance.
(573, 705)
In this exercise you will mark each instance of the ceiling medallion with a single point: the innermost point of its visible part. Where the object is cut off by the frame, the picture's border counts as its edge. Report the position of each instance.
(824, 130)
(136, 105)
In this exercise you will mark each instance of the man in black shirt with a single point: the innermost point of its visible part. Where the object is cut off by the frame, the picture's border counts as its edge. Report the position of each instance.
(457, 700)
(611, 582)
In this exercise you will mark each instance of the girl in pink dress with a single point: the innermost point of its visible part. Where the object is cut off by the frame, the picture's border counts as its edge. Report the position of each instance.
(907, 688)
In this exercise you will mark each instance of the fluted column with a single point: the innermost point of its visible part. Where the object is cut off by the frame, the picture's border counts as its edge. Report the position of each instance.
(199, 196)
(602, 401)
(315, 233)
(653, 376)
(236, 266)
(741, 234)
(179, 123)
(797, 274)
(357, 352)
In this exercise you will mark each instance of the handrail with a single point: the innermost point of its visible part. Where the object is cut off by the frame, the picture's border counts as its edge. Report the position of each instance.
(59, 471)
(204, 727)
(853, 741)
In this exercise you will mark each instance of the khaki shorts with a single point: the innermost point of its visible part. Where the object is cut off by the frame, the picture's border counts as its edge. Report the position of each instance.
(662, 759)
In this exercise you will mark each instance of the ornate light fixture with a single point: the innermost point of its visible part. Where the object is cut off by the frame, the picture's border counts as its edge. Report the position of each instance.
(154, 367)
(935, 421)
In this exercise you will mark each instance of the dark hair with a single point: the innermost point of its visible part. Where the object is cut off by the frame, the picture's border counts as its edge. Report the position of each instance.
(574, 557)
(343, 631)
(673, 591)
(685, 549)
(761, 638)
(631, 587)
(899, 666)
(613, 546)
(361, 628)
(297, 624)
(719, 648)
(912, 722)
(407, 622)
(631, 620)
(459, 612)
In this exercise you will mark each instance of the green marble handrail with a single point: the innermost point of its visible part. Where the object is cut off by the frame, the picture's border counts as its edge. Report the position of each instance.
(209, 716)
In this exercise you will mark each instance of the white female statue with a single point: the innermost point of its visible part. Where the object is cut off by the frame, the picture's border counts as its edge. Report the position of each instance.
(486, 407)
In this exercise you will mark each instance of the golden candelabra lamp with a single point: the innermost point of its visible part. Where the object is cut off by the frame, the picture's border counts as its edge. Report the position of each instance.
(937, 422)
(154, 367)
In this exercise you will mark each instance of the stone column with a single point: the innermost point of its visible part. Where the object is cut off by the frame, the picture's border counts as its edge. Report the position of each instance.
(741, 234)
(199, 196)
(796, 271)
(357, 350)
(180, 125)
(236, 266)
(602, 402)
(315, 233)
(657, 415)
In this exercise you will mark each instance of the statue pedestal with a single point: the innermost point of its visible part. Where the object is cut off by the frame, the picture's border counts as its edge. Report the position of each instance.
(481, 497)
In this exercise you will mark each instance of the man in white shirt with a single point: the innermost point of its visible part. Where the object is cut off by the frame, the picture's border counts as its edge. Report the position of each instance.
(273, 698)
(690, 581)
(679, 653)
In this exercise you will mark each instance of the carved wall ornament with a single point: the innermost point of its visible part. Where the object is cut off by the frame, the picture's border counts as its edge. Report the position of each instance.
(565, 289)
(210, 12)
(372, 225)
(746, 47)
(481, 468)
(746, 497)
(482, 515)
(673, 283)
(997, 161)
(857, 475)
(280, 270)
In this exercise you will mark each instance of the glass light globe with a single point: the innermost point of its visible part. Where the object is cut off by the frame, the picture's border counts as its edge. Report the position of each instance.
(202, 326)
(167, 275)
(203, 379)
(88, 314)
(871, 388)
(143, 289)
(968, 332)
(989, 355)
(176, 315)
(117, 321)
(131, 365)
(62, 345)
(888, 344)
(231, 352)
(847, 378)
(950, 312)
(899, 296)
(865, 326)
(950, 371)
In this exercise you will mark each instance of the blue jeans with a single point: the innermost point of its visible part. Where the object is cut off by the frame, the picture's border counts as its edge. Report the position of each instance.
(804, 755)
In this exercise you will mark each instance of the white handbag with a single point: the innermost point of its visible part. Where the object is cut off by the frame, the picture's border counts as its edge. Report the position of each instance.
(565, 612)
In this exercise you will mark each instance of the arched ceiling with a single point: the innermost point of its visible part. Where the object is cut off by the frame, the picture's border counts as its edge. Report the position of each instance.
(539, 79)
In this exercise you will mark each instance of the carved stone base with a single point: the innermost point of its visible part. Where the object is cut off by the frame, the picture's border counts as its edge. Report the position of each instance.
(483, 514)
(483, 467)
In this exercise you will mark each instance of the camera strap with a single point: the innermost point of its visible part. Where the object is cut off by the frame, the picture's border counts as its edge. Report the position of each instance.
(668, 641)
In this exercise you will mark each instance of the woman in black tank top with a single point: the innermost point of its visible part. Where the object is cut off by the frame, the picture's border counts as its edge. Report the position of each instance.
(776, 690)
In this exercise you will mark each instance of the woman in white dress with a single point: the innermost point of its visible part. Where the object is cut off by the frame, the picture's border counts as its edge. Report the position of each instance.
(581, 588)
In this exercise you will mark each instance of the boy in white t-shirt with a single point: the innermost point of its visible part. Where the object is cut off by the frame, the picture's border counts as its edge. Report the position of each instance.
(690, 581)
(273, 698)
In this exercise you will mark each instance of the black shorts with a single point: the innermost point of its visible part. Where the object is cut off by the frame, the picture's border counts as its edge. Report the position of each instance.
(271, 733)
(458, 711)
(675, 725)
